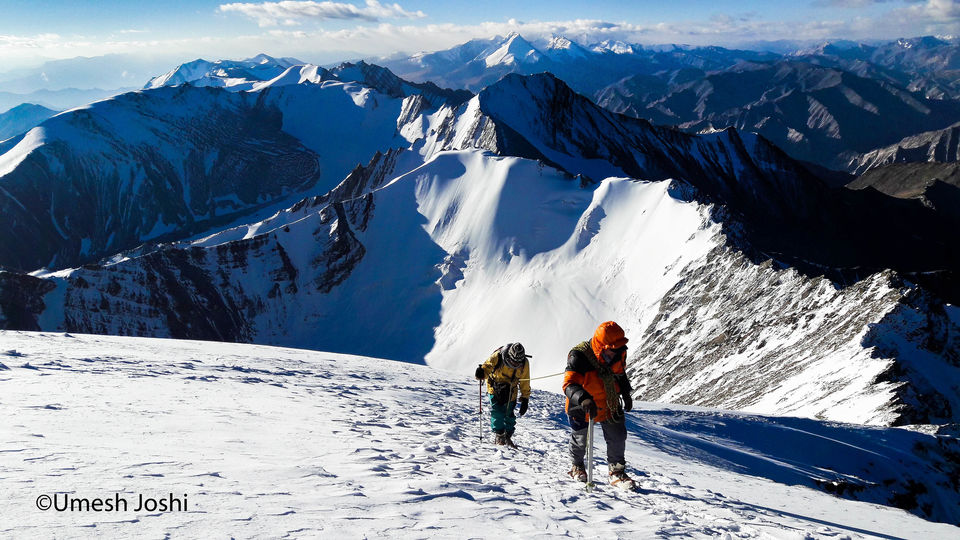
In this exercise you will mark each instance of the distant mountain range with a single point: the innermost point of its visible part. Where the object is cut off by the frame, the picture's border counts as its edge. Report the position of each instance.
(585, 68)
(823, 104)
(928, 64)
(815, 113)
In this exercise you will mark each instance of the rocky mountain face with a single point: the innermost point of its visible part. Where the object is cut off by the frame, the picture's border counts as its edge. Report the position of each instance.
(528, 212)
(931, 146)
(874, 349)
(912, 181)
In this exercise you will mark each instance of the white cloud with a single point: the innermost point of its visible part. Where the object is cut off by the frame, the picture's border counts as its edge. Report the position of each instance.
(8, 42)
(935, 11)
(854, 4)
(923, 18)
(290, 13)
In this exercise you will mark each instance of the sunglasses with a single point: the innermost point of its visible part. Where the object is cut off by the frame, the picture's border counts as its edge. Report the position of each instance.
(612, 355)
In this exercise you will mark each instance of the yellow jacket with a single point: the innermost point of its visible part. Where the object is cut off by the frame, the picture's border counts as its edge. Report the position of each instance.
(503, 374)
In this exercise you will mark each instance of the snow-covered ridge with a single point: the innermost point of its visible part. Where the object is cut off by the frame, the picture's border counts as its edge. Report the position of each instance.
(234, 74)
(249, 436)
(264, 72)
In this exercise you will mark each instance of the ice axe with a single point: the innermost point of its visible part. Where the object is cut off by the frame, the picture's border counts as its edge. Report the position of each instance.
(590, 456)
(481, 412)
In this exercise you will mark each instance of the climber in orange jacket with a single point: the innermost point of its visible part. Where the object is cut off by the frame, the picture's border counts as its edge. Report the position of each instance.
(597, 388)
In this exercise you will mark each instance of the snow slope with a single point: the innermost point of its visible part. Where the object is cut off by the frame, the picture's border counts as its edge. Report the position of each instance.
(268, 442)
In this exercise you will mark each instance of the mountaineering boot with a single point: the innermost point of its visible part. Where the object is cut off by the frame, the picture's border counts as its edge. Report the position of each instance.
(578, 473)
(509, 440)
(501, 439)
(619, 478)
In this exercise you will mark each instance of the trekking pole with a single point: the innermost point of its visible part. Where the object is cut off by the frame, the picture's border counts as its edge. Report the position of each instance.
(481, 412)
(590, 456)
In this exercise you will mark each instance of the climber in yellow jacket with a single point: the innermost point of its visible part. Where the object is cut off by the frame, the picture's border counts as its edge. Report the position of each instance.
(507, 372)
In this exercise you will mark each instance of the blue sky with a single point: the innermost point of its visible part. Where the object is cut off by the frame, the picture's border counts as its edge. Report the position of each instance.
(31, 32)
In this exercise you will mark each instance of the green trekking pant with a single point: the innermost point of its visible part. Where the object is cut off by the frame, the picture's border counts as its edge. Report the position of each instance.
(502, 418)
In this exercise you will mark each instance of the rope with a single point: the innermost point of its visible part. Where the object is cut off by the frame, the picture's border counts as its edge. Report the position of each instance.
(543, 377)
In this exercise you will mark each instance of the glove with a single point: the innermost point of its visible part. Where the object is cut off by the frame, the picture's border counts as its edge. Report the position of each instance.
(589, 407)
(480, 375)
(524, 402)
(627, 402)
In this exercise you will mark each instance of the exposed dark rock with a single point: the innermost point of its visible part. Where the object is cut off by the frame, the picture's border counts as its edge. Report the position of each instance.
(21, 300)
(912, 180)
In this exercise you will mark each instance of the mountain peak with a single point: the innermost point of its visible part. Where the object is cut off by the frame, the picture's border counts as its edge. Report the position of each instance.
(514, 50)
(561, 46)
(262, 59)
(519, 84)
(614, 46)
(29, 107)
(559, 42)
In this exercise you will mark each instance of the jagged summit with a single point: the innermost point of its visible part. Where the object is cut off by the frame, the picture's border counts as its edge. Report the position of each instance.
(563, 49)
(514, 50)
(615, 47)
(263, 71)
(264, 58)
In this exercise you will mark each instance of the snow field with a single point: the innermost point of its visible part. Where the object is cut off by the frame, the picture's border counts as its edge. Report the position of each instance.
(271, 442)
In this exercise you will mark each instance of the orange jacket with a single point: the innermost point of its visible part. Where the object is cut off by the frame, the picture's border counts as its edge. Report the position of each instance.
(582, 379)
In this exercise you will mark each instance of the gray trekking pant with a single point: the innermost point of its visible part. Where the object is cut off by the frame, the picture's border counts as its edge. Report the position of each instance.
(614, 433)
